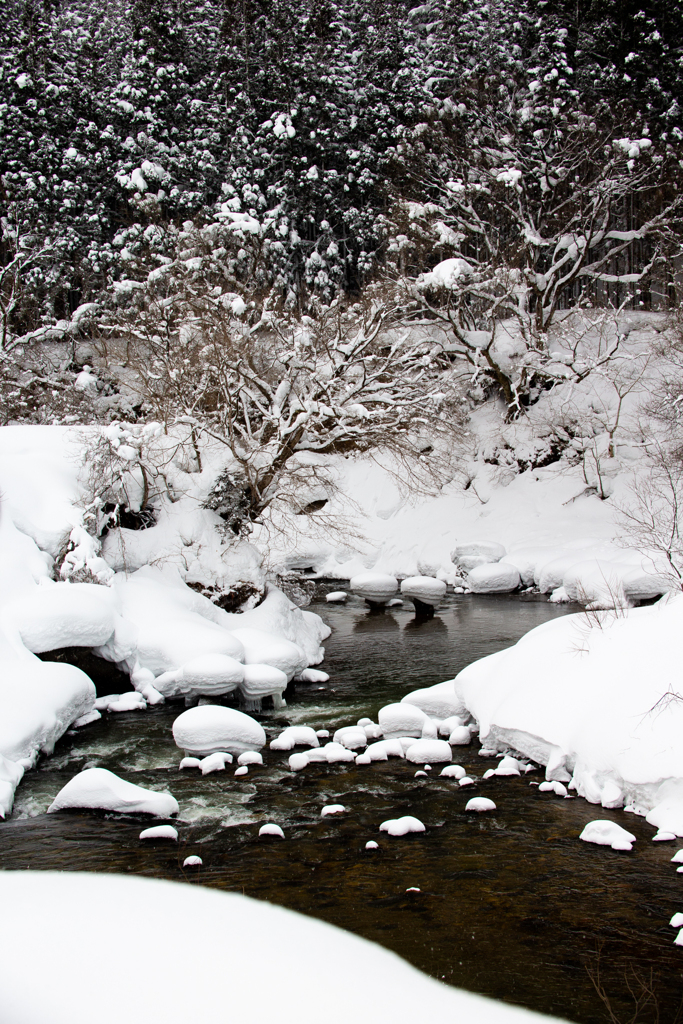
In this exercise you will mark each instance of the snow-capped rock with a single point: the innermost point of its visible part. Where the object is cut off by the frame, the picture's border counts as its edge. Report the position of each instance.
(100, 789)
(211, 727)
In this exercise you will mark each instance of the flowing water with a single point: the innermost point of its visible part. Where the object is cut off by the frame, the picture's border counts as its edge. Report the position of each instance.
(510, 904)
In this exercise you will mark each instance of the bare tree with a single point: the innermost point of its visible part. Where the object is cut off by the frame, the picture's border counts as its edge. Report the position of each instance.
(273, 389)
(535, 221)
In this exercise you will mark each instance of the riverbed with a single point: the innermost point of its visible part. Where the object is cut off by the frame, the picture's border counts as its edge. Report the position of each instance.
(510, 904)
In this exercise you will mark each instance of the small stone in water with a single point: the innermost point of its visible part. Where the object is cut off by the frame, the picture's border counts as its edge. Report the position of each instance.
(250, 757)
(676, 921)
(466, 781)
(413, 888)
(421, 773)
(371, 845)
(663, 837)
(160, 832)
(677, 857)
(271, 829)
(242, 770)
(192, 862)
(480, 804)
(322, 734)
(332, 809)
(189, 762)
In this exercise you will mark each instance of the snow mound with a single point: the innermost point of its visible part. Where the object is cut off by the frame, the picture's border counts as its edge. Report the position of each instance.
(131, 700)
(193, 861)
(271, 829)
(64, 615)
(384, 749)
(99, 789)
(553, 787)
(262, 681)
(295, 736)
(460, 736)
(494, 578)
(577, 694)
(374, 586)
(160, 832)
(351, 736)
(404, 719)
(336, 597)
(242, 770)
(297, 762)
(313, 675)
(476, 553)
(453, 771)
(332, 809)
(210, 727)
(506, 766)
(215, 762)
(425, 589)
(250, 757)
(438, 701)
(608, 833)
(261, 648)
(220, 980)
(429, 750)
(480, 804)
(371, 845)
(336, 752)
(402, 826)
(208, 674)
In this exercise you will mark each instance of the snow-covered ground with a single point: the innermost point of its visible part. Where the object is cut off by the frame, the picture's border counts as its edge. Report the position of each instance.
(228, 943)
(138, 612)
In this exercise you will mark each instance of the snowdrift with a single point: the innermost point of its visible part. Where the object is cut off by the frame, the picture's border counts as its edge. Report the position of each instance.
(221, 979)
(595, 697)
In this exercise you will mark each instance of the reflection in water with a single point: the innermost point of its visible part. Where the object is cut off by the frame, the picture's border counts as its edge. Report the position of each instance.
(511, 904)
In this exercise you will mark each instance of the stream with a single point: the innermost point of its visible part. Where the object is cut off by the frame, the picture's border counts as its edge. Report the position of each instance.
(510, 904)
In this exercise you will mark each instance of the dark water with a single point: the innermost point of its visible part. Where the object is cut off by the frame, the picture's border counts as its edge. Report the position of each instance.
(511, 904)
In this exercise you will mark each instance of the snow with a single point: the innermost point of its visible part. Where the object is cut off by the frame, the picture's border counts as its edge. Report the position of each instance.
(429, 750)
(453, 771)
(352, 736)
(271, 829)
(553, 787)
(493, 578)
(447, 274)
(332, 809)
(336, 597)
(374, 586)
(295, 736)
(371, 845)
(129, 701)
(220, 978)
(63, 615)
(402, 719)
(210, 727)
(608, 833)
(297, 762)
(335, 752)
(160, 832)
(98, 788)
(313, 675)
(383, 750)
(424, 588)
(677, 857)
(189, 762)
(250, 757)
(676, 921)
(193, 861)
(466, 781)
(577, 694)
(215, 762)
(402, 826)
(262, 681)
(242, 770)
(663, 837)
(460, 736)
(438, 701)
(480, 804)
